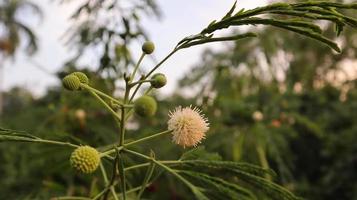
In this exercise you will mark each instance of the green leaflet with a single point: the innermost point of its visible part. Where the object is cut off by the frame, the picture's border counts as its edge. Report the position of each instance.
(7, 135)
(218, 39)
(231, 166)
(200, 153)
(274, 191)
(11, 135)
(305, 24)
(224, 188)
(230, 12)
(308, 124)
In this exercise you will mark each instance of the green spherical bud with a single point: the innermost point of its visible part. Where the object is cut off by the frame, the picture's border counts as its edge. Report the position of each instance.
(71, 82)
(145, 106)
(148, 47)
(82, 77)
(85, 159)
(158, 80)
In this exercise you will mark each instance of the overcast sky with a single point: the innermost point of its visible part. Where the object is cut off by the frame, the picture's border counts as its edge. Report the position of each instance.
(181, 18)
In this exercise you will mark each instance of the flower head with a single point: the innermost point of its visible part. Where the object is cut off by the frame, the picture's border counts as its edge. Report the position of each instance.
(158, 80)
(85, 159)
(71, 82)
(258, 116)
(82, 77)
(188, 126)
(148, 47)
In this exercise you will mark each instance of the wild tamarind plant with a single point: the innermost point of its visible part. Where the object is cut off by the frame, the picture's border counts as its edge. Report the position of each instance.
(205, 178)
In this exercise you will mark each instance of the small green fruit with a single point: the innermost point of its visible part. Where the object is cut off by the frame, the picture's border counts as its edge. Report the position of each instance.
(145, 106)
(148, 47)
(85, 159)
(82, 77)
(158, 80)
(71, 82)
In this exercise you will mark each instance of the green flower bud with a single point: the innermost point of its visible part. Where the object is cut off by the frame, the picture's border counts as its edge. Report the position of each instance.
(85, 159)
(82, 77)
(148, 47)
(71, 82)
(145, 106)
(158, 80)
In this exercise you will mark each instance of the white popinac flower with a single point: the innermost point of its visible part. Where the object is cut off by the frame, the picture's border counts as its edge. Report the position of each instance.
(188, 126)
(258, 116)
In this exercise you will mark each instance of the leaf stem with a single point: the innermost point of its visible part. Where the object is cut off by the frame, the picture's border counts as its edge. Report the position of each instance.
(135, 142)
(147, 178)
(152, 71)
(148, 137)
(136, 67)
(170, 162)
(56, 142)
(122, 174)
(161, 62)
(105, 105)
(106, 181)
(139, 82)
(193, 188)
(89, 88)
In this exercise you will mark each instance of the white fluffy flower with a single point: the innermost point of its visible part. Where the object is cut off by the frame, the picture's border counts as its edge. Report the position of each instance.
(188, 126)
(258, 116)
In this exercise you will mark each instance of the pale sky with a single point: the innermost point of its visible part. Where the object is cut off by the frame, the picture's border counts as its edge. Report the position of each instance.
(181, 18)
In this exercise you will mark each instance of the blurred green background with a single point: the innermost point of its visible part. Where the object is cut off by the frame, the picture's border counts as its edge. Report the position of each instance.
(280, 101)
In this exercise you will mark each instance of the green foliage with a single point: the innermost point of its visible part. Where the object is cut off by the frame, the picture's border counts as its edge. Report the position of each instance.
(304, 22)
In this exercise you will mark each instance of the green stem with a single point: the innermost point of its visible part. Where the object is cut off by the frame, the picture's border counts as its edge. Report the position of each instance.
(148, 90)
(148, 175)
(122, 128)
(56, 142)
(137, 66)
(100, 194)
(148, 137)
(134, 142)
(104, 173)
(106, 181)
(110, 151)
(161, 62)
(186, 182)
(137, 166)
(152, 71)
(129, 113)
(122, 138)
(122, 174)
(89, 88)
(139, 82)
(135, 91)
(128, 106)
(111, 183)
(169, 162)
(105, 105)
(136, 189)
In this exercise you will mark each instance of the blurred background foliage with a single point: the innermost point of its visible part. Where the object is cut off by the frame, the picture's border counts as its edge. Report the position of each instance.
(281, 101)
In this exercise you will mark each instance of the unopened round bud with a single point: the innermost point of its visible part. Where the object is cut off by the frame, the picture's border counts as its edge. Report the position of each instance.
(158, 80)
(145, 106)
(148, 47)
(82, 77)
(85, 159)
(71, 82)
